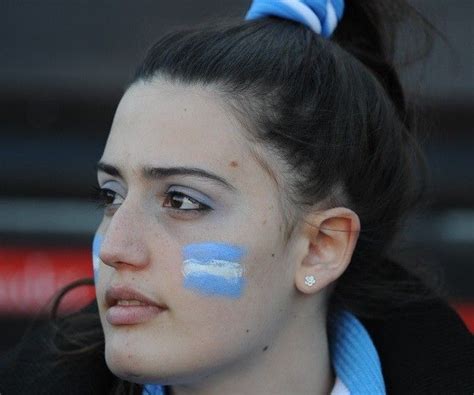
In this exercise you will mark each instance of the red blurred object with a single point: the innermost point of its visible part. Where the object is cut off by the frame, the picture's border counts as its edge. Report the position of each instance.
(30, 277)
(466, 311)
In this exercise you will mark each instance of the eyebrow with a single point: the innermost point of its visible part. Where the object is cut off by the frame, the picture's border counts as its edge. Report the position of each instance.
(158, 173)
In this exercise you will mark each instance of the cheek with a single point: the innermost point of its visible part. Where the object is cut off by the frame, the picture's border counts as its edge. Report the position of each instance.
(215, 294)
(230, 286)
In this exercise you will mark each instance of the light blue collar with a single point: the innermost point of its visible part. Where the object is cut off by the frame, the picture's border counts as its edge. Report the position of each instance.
(354, 357)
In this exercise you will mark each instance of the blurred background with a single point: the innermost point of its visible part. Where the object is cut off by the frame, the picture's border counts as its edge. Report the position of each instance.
(63, 68)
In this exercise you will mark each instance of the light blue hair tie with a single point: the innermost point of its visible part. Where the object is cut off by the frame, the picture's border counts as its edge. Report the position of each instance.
(321, 16)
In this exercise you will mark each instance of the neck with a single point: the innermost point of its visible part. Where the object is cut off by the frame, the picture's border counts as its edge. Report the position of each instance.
(296, 360)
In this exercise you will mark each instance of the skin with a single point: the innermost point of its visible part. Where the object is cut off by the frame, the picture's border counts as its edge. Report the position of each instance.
(206, 344)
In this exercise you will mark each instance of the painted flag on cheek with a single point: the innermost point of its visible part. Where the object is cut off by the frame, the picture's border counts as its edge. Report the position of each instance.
(214, 269)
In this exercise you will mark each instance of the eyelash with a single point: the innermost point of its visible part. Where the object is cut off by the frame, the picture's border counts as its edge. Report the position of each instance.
(105, 197)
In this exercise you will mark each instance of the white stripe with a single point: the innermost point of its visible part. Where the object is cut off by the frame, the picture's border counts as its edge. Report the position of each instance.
(96, 262)
(339, 388)
(302, 9)
(226, 269)
(331, 18)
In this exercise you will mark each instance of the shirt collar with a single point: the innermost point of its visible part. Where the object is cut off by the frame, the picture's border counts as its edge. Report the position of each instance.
(353, 355)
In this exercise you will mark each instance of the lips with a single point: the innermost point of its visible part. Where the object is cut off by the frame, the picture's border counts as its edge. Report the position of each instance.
(118, 293)
(127, 306)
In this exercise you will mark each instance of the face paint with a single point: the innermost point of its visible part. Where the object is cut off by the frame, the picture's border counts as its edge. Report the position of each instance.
(96, 245)
(214, 269)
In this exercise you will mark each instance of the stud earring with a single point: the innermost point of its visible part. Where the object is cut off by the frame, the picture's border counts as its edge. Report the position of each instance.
(309, 281)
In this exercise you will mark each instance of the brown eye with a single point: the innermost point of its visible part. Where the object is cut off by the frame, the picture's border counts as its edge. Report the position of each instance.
(107, 199)
(180, 201)
(104, 197)
(107, 196)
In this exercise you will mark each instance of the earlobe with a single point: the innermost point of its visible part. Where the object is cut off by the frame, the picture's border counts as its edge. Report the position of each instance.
(330, 238)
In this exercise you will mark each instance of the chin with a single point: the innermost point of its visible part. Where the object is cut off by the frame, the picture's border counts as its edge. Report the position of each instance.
(144, 357)
(170, 368)
(142, 366)
(124, 363)
(133, 368)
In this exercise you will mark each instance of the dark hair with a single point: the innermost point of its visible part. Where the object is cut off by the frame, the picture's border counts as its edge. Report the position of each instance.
(333, 112)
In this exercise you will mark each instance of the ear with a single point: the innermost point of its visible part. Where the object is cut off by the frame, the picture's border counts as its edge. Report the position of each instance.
(329, 239)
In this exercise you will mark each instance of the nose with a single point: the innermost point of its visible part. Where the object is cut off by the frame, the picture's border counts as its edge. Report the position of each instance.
(124, 241)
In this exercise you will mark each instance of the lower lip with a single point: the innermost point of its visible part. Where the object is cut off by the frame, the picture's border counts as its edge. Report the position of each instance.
(129, 315)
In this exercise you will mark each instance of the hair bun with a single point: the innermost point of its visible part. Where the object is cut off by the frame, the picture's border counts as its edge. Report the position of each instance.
(321, 16)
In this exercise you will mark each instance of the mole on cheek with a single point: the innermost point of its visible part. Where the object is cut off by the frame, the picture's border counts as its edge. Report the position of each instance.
(234, 163)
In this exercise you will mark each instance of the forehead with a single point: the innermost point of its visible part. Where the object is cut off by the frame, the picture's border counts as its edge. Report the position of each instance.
(165, 124)
(172, 124)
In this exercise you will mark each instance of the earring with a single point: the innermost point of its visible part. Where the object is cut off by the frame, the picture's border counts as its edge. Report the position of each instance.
(309, 281)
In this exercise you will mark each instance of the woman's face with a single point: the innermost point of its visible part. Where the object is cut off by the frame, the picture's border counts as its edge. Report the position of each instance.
(193, 223)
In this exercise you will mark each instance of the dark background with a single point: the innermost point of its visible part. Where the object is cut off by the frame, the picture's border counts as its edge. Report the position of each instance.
(63, 68)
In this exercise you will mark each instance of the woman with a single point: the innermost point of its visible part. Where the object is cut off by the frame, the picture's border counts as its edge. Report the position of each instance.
(254, 180)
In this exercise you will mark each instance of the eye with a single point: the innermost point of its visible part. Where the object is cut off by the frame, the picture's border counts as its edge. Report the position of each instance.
(180, 201)
(107, 199)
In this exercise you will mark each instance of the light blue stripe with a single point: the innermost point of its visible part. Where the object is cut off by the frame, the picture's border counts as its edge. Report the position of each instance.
(97, 243)
(153, 389)
(281, 9)
(207, 251)
(96, 246)
(339, 7)
(263, 8)
(212, 285)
